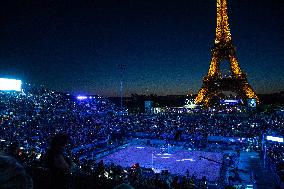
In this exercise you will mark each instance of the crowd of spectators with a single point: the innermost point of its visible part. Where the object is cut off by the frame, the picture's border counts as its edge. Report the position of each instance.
(29, 120)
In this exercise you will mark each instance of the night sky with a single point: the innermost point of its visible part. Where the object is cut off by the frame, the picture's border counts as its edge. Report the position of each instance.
(77, 46)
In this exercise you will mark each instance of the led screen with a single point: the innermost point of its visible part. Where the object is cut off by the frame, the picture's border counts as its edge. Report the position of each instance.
(10, 84)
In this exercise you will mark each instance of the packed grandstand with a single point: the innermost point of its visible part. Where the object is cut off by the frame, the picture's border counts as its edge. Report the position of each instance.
(105, 149)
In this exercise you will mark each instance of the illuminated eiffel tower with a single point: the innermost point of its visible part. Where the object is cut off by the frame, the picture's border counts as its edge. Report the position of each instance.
(214, 82)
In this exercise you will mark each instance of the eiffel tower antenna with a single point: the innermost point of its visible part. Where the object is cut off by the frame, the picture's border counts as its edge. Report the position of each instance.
(214, 83)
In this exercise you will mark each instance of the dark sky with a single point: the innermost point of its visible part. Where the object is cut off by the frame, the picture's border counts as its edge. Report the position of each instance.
(77, 46)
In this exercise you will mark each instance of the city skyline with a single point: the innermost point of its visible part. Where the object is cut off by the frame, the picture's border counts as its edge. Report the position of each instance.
(165, 45)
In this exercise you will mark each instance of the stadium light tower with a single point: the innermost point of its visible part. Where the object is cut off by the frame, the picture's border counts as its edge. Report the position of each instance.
(122, 68)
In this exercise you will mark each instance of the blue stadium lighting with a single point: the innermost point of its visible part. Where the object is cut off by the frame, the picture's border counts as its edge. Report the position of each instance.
(82, 97)
(231, 101)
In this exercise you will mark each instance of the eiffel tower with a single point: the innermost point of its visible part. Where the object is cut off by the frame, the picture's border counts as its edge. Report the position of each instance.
(214, 82)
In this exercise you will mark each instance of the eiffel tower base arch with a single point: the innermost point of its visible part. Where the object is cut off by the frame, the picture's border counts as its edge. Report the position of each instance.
(214, 86)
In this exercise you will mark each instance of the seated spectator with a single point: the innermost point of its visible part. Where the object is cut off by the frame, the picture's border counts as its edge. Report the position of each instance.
(56, 160)
(13, 149)
(59, 165)
(13, 175)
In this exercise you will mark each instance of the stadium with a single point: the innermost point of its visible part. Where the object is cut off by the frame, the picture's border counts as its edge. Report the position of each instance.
(165, 150)
(119, 94)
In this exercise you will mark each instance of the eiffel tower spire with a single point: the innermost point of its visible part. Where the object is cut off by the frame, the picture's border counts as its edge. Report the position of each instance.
(222, 28)
(214, 82)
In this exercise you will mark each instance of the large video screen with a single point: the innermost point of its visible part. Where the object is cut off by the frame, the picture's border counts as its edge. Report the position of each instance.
(10, 84)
